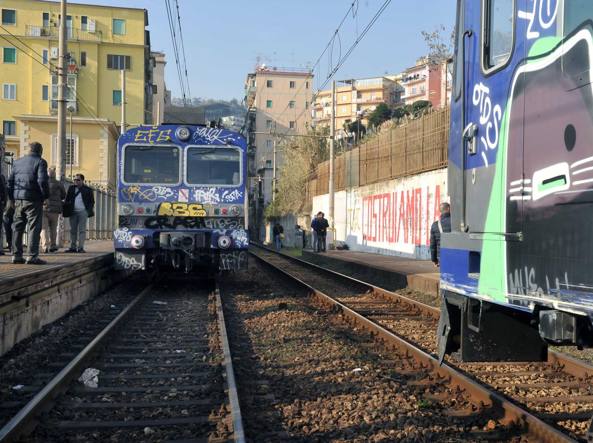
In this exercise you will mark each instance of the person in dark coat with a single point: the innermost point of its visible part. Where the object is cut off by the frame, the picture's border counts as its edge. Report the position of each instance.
(320, 225)
(3, 204)
(27, 188)
(79, 206)
(278, 233)
(443, 224)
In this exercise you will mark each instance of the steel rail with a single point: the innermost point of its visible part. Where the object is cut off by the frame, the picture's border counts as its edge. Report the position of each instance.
(238, 432)
(21, 422)
(506, 412)
(570, 364)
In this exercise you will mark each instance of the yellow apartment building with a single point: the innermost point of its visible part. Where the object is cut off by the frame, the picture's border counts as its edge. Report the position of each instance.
(102, 41)
(355, 99)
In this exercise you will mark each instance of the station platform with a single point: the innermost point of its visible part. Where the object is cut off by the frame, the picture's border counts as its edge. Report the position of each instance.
(14, 277)
(387, 271)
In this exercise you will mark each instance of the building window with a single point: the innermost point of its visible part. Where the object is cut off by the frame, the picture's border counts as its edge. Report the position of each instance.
(292, 124)
(45, 19)
(70, 91)
(414, 90)
(82, 58)
(45, 56)
(71, 157)
(119, 26)
(268, 124)
(268, 103)
(44, 93)
(268, 144)
(84, 23)
(268, 163)
(306, 85)
(9, 127)
(498, 32)
(119, 62)
(269, 83)
(306, 105)
(291, 104)
(9, 91)
(9, 17)
(116, 97)
(9, 55)
(292, 84)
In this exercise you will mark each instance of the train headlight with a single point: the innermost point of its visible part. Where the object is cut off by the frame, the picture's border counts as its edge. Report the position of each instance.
(235, 210)
(126, 210)
(137, 241)
(224, 242)
(183, 133)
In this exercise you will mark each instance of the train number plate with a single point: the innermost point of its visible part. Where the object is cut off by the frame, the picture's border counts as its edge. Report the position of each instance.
(181, 210)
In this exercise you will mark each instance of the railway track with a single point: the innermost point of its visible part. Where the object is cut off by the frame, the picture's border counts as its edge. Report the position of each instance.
(552, 400)
(164, 373)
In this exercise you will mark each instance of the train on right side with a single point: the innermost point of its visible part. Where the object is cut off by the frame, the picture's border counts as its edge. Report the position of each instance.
(517, 268)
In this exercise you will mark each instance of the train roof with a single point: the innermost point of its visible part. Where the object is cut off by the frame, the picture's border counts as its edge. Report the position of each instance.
(182, 135)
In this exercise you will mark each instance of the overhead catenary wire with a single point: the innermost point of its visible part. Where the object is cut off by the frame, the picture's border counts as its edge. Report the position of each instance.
(183, 49)
(176, 52)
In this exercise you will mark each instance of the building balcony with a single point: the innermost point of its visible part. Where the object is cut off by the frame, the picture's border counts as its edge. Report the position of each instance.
(52, 32)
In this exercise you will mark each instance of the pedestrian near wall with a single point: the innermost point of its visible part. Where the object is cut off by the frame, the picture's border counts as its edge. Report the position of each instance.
(443, 224)
(3, 204)
(278, 233)
(52, 209)
(79, 206)
(27, 188)
(320, 225)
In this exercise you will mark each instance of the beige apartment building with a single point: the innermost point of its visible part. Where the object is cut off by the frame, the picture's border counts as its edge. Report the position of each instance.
(278, 101)
(426, 81)
(355, 99)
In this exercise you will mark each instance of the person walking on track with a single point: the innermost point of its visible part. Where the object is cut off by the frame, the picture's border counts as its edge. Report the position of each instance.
(79, 206)
(51, 213)
(443, 224)
(28, 186)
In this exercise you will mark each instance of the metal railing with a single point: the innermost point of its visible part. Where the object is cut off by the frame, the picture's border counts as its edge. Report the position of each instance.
(72, 33)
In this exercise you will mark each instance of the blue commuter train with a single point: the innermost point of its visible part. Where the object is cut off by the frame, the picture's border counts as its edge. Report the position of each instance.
(182, 199)
(517, 270)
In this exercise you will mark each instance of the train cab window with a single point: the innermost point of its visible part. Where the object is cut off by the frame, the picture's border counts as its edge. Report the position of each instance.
(151, 164)
(213, 166)
(459, 62)
(497, 38)
(576, 12)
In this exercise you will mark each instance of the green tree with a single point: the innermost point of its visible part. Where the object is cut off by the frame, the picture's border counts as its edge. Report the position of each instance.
(356, 127)
(381, 114)
(420, 107)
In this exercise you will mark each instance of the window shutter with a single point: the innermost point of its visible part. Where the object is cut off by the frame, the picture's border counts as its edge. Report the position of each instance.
(128, 62)
(109, 61)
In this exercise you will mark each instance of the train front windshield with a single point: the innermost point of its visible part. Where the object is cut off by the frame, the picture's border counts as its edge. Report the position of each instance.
(213, 166)
(151, 164)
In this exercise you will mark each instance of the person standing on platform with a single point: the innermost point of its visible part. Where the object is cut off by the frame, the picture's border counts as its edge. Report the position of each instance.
(51, 213)
(28, 186)
(320, 225)
(278, 233)
(443, 224)
(79, 206)
(3, 203)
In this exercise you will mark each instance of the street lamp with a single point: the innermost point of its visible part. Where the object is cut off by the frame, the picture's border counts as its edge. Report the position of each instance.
(71, 110)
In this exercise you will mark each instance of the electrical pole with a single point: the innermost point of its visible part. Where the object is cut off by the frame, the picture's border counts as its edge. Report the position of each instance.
(332, 141)
(123, 101)
(62, 85)
(274, 173)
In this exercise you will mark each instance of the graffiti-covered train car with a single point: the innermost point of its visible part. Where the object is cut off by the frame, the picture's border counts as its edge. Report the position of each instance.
(181, 199)
(517, 268)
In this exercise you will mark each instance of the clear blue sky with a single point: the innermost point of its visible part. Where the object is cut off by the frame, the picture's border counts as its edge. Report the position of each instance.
(224, 38)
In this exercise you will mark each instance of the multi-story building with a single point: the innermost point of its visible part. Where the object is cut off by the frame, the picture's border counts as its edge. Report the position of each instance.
(102, 41)
(355, 100)
(159, 89)
(427, 81)
(278, 104)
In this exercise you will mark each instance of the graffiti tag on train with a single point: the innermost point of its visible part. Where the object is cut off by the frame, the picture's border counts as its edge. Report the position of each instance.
(153, 136)
(181, 210)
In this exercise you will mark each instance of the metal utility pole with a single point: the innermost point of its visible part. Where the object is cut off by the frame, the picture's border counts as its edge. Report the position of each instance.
(274, 173)
(332, 141)
(123, 101)
(62, 85)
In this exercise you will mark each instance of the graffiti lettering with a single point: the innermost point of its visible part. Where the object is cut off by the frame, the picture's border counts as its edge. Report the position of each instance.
(152, 136)
(231, 196)
(164, 222)
(129, 262)
(490, 118)
(181, 210)
(163, 192)
(240, 238)
(524, 282)
(122, 235)
(233, 261)
(210, 134)
(206, 196)
(544, 12)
